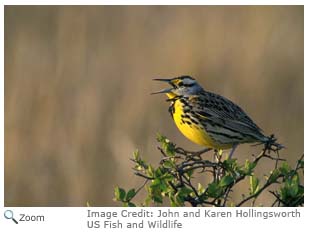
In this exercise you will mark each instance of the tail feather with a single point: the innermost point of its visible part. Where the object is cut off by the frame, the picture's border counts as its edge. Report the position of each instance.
(271, 143)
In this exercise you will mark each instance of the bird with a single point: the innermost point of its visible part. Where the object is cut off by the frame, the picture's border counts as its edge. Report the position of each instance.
(209, 119)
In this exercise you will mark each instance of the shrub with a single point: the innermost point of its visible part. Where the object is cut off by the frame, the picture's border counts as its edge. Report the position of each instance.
(174, 179)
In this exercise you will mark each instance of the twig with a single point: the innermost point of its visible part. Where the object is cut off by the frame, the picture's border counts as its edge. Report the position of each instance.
(144, 176)
(298, 163)
(267, 184)
(145, 182)
(278, 198)
(226, 195)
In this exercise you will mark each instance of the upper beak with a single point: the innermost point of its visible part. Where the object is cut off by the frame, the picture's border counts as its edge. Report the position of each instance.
(166, 90)
(168, 80)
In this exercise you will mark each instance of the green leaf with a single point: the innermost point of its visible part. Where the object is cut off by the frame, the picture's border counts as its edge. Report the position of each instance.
(147, 201)
(184, 191)
(119, 194)
(295, 179)
(293, 191)
(130, 194)
(167, 146)
(274, 175)
(150, 171)
(136, 155)
(154, 191)
(138, 167)
(249, 167)
(201, 189)
(285, 168)
(226, 180)
(179, 199)
(160, 138)
(131, 204)
(155, 182)
(213, 190)
(163, 186)
(157, 198)
(293, 185)
(189, 173)
(300, 163)
(140, 164)
(172, 200)
(168, 164)
(158, 172)
(254, 184)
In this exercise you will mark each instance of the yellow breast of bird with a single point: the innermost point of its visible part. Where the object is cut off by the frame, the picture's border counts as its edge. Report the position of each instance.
(193, 131)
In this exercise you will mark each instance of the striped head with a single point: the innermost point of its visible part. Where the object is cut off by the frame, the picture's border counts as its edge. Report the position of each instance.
(180, 86)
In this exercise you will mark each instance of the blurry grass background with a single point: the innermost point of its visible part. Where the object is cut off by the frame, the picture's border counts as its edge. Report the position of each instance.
(78, 83)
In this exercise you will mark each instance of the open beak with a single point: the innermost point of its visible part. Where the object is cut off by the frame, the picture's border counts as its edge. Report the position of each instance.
(166, 90)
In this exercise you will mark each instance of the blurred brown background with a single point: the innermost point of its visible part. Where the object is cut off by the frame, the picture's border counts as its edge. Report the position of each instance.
(78, 83)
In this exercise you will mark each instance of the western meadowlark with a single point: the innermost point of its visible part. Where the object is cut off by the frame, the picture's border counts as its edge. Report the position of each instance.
(209, 119)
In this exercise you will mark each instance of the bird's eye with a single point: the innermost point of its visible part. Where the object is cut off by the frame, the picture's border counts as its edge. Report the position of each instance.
(189, 85)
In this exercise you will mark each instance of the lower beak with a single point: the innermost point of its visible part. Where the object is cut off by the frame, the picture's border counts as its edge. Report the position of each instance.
(166, 90)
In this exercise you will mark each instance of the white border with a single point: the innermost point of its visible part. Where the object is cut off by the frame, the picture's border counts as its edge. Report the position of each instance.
(75, 218)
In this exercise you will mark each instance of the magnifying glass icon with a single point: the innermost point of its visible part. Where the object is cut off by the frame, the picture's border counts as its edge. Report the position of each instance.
(8, 214)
